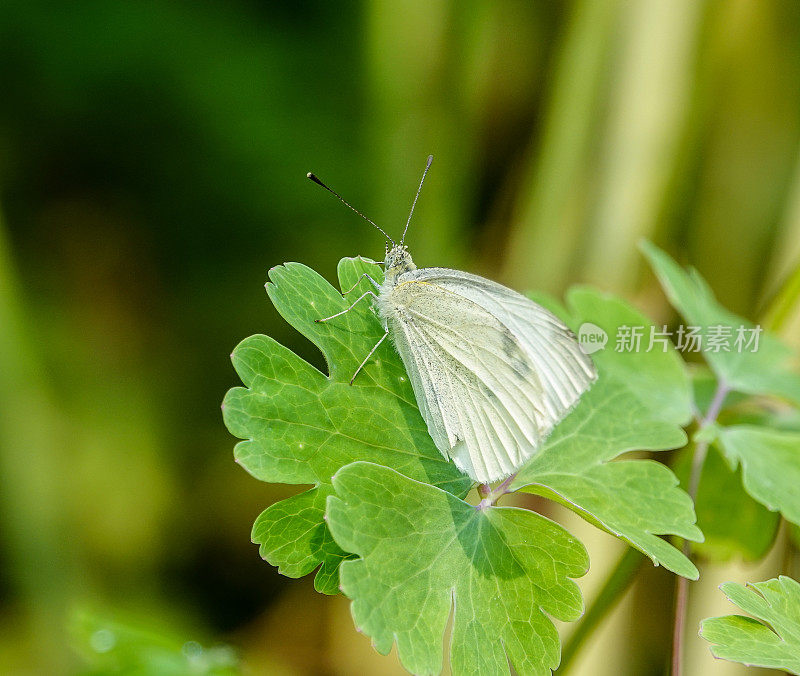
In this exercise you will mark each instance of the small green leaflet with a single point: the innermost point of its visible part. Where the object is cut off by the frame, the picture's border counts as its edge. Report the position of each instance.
(770, 462)
(301, 426)
(639, 402)
(424, 551)
(776, 642)
(772, 369)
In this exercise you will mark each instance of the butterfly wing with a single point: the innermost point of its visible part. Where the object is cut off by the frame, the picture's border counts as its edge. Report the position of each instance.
(476, 357)
(563, 368)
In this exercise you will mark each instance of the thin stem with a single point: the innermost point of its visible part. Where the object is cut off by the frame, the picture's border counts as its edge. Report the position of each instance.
(492, 495)
(502, 489)
(681, 599)
(784, 302)
(557, 162)
(701, 449)
(615, 586)
(682, 584)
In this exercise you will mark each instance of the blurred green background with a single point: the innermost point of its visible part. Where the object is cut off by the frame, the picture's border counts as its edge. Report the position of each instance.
(152, 169)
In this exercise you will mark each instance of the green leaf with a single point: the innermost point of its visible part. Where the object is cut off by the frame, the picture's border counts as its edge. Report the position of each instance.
(301, 426)
(135, 647)
(776, 642)
(292, 536)
(720, 494)
(772, 369)
(770, 462)
(424, 553)
(639, 402)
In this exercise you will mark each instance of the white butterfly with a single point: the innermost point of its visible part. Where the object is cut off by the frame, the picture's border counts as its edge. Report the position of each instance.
(492, 371)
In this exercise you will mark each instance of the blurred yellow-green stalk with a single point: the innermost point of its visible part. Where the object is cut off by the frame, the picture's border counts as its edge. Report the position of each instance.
(152, 169)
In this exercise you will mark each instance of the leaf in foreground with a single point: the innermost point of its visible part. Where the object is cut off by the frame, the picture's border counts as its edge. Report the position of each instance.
(639, 402)
(424, 553)
(772, 642)
(300, 426)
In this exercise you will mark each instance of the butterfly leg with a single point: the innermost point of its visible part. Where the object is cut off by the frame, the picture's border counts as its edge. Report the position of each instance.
(364, 260)
(339, 314)
(366, 359)
(358, 281)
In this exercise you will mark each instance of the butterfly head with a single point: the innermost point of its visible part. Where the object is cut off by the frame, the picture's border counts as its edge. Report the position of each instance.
(398, 261)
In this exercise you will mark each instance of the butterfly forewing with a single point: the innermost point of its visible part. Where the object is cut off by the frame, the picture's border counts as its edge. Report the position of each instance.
(563, 368)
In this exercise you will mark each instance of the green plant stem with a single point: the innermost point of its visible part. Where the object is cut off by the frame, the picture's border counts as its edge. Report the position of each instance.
(617, 583)
(682, 584)
(784, 302)
(491, 495)
(545, 229)
(780, 309)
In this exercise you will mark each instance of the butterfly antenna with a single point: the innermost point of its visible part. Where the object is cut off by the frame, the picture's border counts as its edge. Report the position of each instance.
(348, 205)
(416, 197)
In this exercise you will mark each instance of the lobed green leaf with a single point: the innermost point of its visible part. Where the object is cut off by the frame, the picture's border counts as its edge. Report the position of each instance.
(770, 461)
(300, 425)
(425, 553)
(772, 642)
